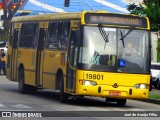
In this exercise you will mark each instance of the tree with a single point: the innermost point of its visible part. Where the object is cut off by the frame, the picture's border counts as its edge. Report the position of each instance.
(150, 9)
(8, 13)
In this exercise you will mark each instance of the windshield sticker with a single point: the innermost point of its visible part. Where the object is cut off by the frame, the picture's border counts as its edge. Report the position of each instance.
(121, 63)
(95, 58)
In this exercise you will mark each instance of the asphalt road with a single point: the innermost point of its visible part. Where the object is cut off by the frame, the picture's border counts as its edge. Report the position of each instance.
(47, 100)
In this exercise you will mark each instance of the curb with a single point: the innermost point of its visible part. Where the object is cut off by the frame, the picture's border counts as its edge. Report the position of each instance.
(150, 100)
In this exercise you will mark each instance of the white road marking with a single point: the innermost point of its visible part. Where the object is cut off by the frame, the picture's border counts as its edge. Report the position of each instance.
(134, 109)
(21, 106)
(1, 105)
(98, 109)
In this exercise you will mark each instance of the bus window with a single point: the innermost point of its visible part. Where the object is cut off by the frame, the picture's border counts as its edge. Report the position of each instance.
(73, 49)
(135, 62)
(53, 37)
(35, 36)
(28, 37)
(64, 35)
(58, 36)
(11, 34)
(95, 50)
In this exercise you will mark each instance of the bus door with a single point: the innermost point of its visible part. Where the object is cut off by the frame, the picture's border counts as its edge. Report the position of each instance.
(72, 55)
(14, 54)
(40, 54)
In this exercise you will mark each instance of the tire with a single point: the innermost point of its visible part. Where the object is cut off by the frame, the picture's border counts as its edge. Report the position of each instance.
(32, 89)
(121, 102)
(63, 96)
(22, 85)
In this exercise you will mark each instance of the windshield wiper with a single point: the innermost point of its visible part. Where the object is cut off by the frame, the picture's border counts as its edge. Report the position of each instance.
(103, 33)
(125, 35)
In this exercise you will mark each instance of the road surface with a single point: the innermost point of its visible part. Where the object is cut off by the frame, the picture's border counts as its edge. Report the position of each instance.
(47, 100)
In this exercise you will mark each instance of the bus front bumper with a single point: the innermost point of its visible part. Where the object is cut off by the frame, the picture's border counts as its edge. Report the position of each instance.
(110, 92)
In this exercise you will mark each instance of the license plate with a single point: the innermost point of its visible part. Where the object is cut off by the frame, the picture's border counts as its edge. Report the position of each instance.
(114, 93)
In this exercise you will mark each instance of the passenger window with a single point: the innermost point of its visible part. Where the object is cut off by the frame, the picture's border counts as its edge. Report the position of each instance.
(65, 35)
(58, 35)
(53, 42)
(11, 35)
(29, 35)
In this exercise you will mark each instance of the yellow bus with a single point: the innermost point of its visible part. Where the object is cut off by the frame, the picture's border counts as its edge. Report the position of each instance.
(81, 54)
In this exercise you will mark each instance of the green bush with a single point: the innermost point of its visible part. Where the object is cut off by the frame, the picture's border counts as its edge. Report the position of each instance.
(158, 50)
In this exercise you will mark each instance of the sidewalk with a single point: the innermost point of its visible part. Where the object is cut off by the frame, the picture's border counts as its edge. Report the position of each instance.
(152, 100)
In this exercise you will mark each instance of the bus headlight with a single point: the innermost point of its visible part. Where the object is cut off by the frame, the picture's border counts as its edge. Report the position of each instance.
(141, 86)
(87, 82)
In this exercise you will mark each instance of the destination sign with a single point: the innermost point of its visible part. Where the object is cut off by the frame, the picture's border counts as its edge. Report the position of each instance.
(115, 19)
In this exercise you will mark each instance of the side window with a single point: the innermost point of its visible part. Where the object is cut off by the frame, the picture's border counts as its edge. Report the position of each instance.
(35, 36)
(11, 35)
(58, 34)
(53, 42)
(29, 35)
(65, 35)
(15, 38)
(73, 49)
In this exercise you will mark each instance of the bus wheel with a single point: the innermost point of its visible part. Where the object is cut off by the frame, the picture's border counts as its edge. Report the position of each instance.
(32, 89)
(22, 86)
(121, 102)
(63, 96)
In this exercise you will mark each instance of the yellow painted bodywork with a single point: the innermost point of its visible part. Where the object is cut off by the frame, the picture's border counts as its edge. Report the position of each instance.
(52, 60)
(51, 64)
(124, 81)
(28, 58)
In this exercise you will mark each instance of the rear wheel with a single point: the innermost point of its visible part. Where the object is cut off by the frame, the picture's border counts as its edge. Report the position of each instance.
(32, 89)
(63, 96)
(23, 88)
(22, 85)
(121, 102)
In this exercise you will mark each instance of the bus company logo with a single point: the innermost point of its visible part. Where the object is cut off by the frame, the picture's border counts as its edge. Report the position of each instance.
(21, 114)
(6, 114)
(115, 85)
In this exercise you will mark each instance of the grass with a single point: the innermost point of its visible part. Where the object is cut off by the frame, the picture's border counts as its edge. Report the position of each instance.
(154, 95)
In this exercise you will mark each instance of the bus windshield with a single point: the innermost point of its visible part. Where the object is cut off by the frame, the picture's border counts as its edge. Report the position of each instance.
(114, 54)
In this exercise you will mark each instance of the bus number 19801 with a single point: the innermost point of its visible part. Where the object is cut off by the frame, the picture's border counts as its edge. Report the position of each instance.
(93, 76)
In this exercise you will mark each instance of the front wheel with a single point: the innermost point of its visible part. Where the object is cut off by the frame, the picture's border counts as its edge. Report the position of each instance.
(121, 102)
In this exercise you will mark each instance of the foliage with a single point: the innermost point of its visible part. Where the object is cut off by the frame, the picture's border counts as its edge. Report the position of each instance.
(8, 14)
(154, 95)
(150, 9)
(158, 51)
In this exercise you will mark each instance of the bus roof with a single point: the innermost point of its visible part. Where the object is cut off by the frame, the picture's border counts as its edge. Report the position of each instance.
(54, 16)
(91, 17)
(44, 17)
